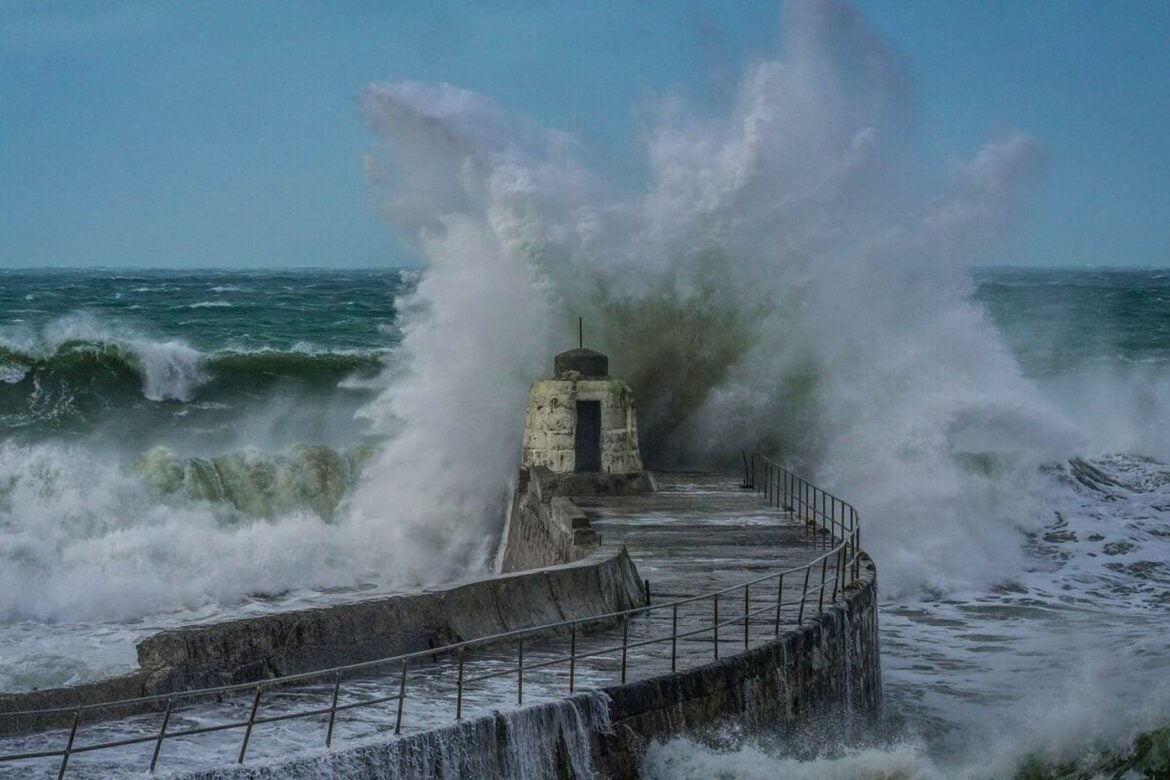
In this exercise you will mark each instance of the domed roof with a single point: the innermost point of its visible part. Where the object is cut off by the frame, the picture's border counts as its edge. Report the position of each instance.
(584, 361)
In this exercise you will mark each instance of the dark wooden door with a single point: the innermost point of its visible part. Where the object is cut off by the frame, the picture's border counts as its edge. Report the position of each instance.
(588, 436)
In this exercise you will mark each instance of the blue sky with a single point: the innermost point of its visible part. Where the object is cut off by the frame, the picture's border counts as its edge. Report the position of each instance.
(229, 134)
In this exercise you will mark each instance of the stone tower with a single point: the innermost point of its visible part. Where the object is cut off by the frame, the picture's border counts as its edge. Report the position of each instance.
(581, 421)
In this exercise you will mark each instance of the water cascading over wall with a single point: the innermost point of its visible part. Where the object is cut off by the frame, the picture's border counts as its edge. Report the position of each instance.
(826, 668)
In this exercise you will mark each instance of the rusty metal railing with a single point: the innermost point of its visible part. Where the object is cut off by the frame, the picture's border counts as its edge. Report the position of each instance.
(833, 523)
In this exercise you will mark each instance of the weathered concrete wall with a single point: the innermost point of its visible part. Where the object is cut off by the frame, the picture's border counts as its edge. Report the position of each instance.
(550, 425)
(545, 527)
(828, 666)
(305, 640)
(122, 687)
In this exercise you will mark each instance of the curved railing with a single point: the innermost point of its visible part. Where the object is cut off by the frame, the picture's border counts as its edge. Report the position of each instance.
(835, 523)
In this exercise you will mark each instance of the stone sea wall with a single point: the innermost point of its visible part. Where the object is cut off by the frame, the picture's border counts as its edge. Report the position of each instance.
(304, 640)
(545, 527)
(269, 646)
(827, 667)
(554, 739)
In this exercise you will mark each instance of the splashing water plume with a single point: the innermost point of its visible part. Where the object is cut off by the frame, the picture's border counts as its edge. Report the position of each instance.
(792, 279)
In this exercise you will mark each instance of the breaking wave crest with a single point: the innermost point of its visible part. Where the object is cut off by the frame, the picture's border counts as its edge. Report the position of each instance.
(164, 371)
(76, 378)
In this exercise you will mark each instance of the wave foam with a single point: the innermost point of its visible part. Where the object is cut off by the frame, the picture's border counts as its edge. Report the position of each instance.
(83, 538)
(683, 759)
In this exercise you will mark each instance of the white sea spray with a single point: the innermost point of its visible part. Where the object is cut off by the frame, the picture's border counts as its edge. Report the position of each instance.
(793, 279)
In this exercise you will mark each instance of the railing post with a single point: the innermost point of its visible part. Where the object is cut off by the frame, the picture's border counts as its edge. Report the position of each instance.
(332, 712)
(837, 572)
(846, 545)
(647, 584)
(715, 627)
(520, 671)
(673, 637)
(625, 643)
(823, 517)
(401, 700)
(839, 575)
(459, 688)
(779, 604)
(817, 522)
(857, 550)
(821, 592)
(572, 656)
(747, 600)
(803, 596)
(162, 733)
(69, 745)
(251, 722)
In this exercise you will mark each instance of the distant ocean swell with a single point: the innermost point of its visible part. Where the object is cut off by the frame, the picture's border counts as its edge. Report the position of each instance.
(78, 377)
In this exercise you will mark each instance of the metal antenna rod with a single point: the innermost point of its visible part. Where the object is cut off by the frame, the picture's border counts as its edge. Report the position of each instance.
(581, 332)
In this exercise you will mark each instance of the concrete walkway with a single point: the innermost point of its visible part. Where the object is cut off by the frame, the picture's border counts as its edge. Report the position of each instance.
(697, 534)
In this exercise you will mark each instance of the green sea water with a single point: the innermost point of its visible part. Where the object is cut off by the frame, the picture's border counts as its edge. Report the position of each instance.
(191, 359)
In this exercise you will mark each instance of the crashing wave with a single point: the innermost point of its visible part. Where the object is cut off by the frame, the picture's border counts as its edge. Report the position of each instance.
(165, 371)
(77, 382)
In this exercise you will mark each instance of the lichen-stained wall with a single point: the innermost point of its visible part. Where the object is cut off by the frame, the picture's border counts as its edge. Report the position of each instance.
(551, 423)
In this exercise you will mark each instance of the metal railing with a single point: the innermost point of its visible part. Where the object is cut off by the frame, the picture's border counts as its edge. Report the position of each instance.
(818, 508)
(833, 522)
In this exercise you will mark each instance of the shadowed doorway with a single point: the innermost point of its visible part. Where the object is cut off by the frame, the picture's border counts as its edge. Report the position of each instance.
(588, 436)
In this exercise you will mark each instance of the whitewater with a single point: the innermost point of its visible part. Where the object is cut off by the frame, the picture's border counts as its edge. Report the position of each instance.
(792, 274)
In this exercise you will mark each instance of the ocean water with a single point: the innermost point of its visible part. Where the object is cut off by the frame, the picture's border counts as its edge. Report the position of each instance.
(180, 357)
(174, 445)
(1060, 659)
(792, 277)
